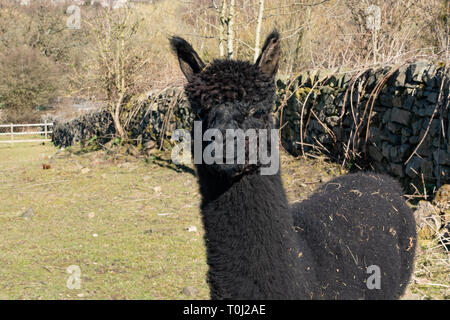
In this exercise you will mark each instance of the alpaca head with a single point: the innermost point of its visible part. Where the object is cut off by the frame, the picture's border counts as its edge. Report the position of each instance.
(231, 95)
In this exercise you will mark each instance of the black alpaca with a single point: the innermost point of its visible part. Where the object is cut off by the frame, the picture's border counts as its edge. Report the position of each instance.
(260, 248)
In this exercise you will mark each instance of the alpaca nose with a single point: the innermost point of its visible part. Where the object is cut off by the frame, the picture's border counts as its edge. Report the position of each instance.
(224, 120)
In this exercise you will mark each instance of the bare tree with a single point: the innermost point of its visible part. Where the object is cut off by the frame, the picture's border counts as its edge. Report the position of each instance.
(118, 60)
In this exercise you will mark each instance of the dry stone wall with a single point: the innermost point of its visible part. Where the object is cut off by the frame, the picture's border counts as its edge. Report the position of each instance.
(392, 119)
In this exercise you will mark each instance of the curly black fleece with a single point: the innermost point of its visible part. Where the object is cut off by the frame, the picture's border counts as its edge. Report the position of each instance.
(258, 247)
(351, 223)
(229, 81)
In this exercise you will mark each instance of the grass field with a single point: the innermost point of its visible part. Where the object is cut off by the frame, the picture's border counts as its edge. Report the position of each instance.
(123, 222)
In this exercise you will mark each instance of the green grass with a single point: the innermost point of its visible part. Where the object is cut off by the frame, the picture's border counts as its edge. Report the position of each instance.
(138, 253)
(138, 211)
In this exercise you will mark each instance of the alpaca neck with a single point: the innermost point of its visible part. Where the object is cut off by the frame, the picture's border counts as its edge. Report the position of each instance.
(252, 248)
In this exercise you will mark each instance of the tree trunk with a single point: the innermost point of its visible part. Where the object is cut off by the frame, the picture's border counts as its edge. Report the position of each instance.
(116, 117)
(258, 29)
(230, 31)
(222, 21)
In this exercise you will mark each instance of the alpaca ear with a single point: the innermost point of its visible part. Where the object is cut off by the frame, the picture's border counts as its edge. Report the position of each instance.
(190, 62)
(270, 54)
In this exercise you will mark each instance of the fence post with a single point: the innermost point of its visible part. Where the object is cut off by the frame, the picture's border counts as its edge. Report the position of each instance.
(12, 135)
(45, 129)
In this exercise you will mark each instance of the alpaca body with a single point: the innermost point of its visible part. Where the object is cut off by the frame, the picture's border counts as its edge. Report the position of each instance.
(255, 242)
(354, 222)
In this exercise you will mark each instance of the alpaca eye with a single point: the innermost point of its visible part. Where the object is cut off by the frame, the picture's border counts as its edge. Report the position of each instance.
(258, 113)
(255, 113)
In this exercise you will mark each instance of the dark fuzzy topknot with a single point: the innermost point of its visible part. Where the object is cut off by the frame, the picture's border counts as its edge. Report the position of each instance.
(230, 81)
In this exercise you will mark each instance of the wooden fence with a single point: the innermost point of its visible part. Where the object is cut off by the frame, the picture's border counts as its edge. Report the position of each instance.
(11, 133)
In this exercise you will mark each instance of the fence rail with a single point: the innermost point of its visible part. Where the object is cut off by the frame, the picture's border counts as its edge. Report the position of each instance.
(13, 133)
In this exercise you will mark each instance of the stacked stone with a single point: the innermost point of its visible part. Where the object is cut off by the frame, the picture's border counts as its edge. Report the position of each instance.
(159, 115)
(152, 119)
(97, 124)
(399, 117)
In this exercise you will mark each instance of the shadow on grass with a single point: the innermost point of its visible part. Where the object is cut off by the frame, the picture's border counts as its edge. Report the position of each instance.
(167, 163)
